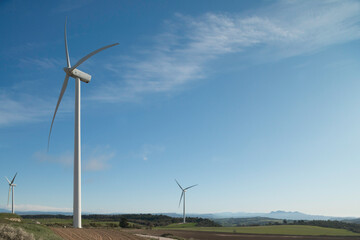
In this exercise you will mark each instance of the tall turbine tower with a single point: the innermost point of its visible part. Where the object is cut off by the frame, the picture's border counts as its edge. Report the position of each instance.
(11, 188)
(72, 71)
(183, 197)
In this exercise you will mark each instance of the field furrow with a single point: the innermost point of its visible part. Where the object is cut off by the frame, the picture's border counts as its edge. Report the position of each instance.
(93, 234)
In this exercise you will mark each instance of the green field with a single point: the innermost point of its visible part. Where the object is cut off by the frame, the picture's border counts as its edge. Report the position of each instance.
(180, 225)
(274, 229)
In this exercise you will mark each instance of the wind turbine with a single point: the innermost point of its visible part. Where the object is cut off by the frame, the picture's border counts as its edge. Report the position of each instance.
(11, 188)
(72, 71)
(183, 197)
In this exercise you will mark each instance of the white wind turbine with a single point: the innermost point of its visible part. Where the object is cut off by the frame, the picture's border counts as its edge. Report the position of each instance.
(183, 197)
(72, 71)
(11, 188)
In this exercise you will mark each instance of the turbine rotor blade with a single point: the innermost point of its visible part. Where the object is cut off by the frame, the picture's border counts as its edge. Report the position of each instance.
(190, 187)
(182, 194)
(7, 180)
(179, 185)
(66, 47)
(13, 179)
(91, 54)
(57, 105)
(9, 195)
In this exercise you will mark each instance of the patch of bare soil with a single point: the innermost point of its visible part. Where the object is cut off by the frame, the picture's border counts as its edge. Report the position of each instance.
(94, 234)
(115, 234)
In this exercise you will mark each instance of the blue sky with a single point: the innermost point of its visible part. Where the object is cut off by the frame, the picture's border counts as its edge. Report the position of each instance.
(257, 102)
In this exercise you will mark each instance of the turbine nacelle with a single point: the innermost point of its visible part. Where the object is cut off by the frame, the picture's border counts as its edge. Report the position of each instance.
(76, 73)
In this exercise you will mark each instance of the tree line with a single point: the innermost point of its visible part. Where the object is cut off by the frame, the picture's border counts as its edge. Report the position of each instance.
(149, 220)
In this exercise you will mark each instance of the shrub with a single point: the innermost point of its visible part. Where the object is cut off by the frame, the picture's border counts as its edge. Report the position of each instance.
(10, 233)
(94, 224)
(166, 235)
(123, 223)
(112, 225)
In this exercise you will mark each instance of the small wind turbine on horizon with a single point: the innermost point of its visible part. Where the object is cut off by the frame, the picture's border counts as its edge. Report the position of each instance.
(183, 197)
(72, 71)
(11, 188)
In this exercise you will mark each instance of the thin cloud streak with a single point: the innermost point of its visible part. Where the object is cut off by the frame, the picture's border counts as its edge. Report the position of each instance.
(150, 150)
(181, 54)
(22, 108)
(98, 162)
(66, 159)
(18, 108)
(42, 63)
(96, 159)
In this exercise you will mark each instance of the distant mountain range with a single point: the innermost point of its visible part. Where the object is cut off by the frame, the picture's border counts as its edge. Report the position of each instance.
(273, 214)
(2, 210)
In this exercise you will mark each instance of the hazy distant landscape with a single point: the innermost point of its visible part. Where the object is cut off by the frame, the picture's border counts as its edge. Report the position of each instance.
(274, 214)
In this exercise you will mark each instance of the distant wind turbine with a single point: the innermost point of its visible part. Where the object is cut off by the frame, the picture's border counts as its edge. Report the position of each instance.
(72, 71)
(183, 197)
(11, 188)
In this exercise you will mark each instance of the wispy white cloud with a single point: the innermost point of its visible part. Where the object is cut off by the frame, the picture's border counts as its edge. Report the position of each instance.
(98, 159)
(318, 24)
(19, 108)
(22, 108)
(66, 159)
(149, 150)
(19, 104)
(181, 54)
(42, 63)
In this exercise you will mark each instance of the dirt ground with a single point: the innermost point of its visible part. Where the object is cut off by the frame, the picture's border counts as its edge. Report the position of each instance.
(196, 235)
(114, 234)
(94, 234)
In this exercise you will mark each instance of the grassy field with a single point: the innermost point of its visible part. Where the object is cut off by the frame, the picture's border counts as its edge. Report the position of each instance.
(69, 222)
(251, 221)
(179, 225)
(39, 231)
(274, 229)
(59, 221)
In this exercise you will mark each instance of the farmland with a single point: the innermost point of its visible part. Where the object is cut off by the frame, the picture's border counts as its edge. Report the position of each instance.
(274, 229)
(94, 234)
(56, 227)
(206, 235)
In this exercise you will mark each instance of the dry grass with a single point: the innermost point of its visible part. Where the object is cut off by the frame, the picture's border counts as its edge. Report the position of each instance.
(8, 232)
